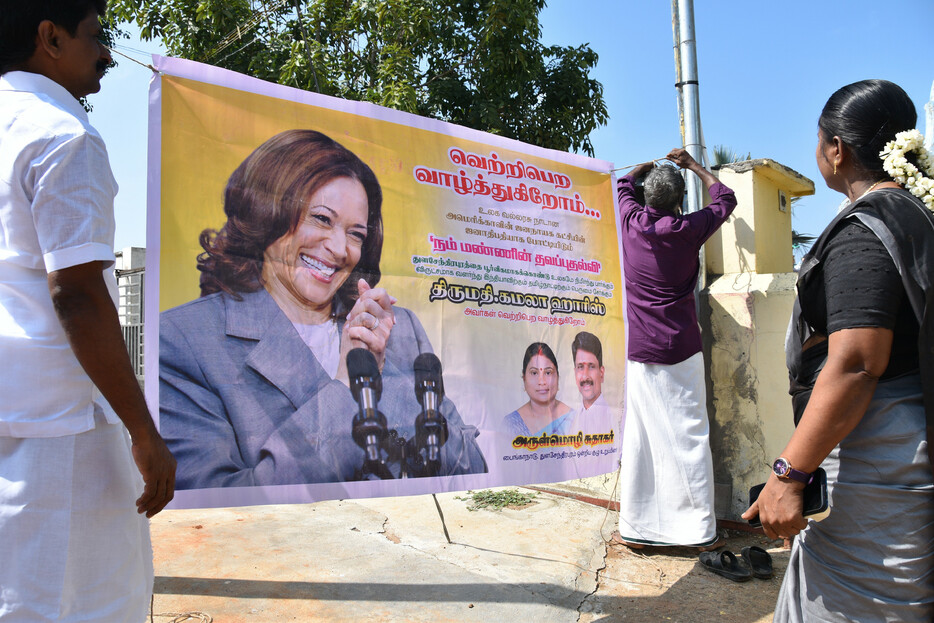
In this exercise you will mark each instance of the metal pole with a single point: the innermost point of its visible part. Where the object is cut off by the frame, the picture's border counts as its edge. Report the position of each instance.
(676, 35)
(683, 15)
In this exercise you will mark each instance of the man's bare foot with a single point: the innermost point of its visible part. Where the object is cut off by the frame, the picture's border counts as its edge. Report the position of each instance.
(709, 548)
(617, 539)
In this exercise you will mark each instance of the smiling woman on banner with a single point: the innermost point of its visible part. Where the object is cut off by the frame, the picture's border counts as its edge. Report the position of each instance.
(253, 380)
(543, 414)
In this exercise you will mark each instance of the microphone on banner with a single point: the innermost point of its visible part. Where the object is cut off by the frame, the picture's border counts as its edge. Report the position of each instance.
(369, 425)
(431, 428)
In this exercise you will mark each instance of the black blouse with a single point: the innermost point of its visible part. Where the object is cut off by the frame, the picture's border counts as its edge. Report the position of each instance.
(859, 287)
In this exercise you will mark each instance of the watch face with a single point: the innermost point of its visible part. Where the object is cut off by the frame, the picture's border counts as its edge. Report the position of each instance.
(781, 467)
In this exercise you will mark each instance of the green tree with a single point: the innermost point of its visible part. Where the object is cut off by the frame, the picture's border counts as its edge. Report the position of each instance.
(478, 63)
(725, 155)
(800, 242)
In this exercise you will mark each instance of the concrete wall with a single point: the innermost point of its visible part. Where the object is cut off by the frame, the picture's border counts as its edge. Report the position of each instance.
(757, 237)
(744, 313)
(130, 257)
(745, 316)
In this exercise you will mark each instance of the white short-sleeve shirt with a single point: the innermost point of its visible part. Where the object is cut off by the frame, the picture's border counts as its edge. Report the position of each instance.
(56, 211)
(599, 418)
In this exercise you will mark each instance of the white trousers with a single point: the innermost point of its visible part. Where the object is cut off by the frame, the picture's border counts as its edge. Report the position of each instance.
(666, 484)
(72, 546)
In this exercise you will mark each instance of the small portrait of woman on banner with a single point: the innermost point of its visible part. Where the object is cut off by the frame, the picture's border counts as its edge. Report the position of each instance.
(543, 414)
(254, 387)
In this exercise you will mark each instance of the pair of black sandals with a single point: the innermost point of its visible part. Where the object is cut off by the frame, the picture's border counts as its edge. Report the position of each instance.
(758, 564)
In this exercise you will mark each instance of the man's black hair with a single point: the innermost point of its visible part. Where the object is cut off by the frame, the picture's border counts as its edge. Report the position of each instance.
(589, 343)
(20, 19)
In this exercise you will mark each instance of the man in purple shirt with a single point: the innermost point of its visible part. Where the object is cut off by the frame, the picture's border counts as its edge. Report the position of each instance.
(666, 487)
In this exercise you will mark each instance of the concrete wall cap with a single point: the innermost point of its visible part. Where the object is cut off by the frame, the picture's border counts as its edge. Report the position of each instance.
(784, 177)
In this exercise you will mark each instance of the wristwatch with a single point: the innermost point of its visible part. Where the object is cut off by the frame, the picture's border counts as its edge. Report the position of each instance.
(783, 469)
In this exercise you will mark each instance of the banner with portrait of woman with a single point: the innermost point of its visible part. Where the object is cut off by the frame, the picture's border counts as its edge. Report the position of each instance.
(353, 301)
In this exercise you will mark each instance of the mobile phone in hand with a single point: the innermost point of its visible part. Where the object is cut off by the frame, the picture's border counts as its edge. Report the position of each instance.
(815, 498)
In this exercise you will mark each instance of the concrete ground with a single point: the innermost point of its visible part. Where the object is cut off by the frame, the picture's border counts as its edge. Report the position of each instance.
(387, 559)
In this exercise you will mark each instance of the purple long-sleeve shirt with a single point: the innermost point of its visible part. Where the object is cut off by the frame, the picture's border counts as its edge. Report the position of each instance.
(660, 255)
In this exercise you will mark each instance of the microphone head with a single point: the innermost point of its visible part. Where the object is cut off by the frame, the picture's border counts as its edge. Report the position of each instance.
(428, 375)
(363, 371)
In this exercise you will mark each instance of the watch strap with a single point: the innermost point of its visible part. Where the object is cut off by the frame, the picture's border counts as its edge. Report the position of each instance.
(783, 469)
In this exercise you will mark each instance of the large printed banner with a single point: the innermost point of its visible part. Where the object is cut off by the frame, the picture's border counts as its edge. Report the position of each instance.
(286, 227)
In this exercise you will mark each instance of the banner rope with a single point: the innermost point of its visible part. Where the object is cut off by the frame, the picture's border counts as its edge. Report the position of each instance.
(146, 65)
(440, 514)
(630, 166)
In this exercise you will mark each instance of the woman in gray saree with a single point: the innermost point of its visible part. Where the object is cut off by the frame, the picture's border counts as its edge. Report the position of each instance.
(861, 360)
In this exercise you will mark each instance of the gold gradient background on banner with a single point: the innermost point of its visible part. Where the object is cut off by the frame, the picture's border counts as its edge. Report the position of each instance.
(208, 130)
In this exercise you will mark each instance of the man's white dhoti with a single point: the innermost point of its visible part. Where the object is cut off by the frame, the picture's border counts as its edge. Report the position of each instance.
(72, 546)
(666, 484)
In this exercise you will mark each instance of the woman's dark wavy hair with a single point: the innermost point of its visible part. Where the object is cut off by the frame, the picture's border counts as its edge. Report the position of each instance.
(538, 348)
(264, 200)
(20, 19)
(866, 115)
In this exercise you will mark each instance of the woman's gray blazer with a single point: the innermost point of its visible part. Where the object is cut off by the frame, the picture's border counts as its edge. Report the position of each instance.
(244, 402)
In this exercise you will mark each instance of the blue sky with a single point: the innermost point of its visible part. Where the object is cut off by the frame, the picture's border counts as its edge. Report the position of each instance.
(765, 70)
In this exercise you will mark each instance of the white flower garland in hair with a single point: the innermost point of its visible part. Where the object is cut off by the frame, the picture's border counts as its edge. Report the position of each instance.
(904, 172)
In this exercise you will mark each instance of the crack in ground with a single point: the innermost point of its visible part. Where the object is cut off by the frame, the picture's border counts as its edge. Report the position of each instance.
(387, 532)
(598, 557)
(593, 593)
(391, 536)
